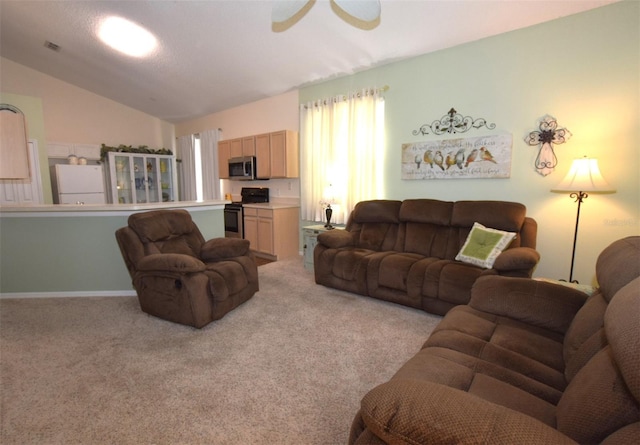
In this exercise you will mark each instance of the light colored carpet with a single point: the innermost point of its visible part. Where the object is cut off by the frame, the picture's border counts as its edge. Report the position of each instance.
(288, 367)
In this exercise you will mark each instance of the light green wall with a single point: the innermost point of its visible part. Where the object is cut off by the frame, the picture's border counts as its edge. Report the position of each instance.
(32, 109)
(583, 69)
(72, 253)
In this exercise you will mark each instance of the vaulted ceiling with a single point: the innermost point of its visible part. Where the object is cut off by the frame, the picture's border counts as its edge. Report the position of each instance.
(217, 54)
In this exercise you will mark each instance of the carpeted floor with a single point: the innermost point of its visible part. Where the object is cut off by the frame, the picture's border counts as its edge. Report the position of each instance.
(288, 367)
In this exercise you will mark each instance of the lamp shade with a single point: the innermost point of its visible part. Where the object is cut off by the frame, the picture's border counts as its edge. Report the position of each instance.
(584, 176)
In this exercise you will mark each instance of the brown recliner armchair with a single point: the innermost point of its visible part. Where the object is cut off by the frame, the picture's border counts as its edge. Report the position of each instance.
(177, 275)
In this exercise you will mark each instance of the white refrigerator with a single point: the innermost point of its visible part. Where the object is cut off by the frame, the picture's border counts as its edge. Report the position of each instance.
(79, 184)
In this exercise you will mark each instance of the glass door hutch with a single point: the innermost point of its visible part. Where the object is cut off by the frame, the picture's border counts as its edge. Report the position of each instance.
(136, 178)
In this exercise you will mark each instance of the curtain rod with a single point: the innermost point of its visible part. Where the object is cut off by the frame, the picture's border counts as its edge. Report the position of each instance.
(344, 96)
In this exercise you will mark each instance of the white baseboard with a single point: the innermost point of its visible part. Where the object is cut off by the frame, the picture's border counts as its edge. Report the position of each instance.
(81, 293)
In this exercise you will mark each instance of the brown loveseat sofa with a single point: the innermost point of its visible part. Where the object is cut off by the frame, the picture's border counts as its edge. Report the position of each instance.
(404, 251)
(525, 362)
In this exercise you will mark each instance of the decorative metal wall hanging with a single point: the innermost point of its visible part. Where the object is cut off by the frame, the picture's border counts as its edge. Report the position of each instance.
(462, 158)
(548, 135)
(453, 122)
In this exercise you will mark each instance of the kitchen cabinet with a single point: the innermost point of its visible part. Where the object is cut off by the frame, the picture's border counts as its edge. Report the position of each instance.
(141, 178)
(277, 155)
(60, 150)
(272, 232)
(235, 148)
(249, 146)
(224, 153)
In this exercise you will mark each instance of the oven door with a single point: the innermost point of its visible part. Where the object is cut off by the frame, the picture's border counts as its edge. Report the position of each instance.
(233, 221)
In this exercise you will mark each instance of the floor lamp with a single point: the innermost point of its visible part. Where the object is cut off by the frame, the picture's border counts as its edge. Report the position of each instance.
(584, 177)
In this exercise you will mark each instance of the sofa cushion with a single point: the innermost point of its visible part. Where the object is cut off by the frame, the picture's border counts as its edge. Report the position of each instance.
(389, 277)
(597, 402)
(415, 412)
(372, 236)
(617, 265)
(227, 278)
(475, 376)
(376, 211)
(623, 332)
(224, 248)
(483, 245)
(426, 227)
(430, 211)
(447, 280)
(501, 215)
(375, 224)
(167, 231)
(161, 225)
(515, 353)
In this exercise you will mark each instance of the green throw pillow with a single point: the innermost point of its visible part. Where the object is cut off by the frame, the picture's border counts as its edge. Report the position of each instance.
(483, 245)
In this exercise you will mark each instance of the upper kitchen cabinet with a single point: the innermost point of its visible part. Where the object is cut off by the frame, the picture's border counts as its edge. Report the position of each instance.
(240, 147)
(14, 155)
(235, 148)
(224, 153)
(249, 146)
(277, 155)
(62, 150)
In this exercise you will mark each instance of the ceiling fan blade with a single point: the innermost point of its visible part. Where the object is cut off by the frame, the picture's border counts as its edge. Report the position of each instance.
(363, 14)
(286, 13)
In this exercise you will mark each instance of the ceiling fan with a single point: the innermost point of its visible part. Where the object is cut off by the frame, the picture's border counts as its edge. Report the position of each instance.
(363, 14)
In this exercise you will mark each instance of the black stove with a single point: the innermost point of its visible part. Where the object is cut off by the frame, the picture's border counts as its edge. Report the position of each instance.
(254, 195)
(233, 215)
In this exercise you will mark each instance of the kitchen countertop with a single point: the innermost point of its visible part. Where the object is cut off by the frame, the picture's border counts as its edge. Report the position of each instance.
(113, 209)
(272, 205)
(105, 209)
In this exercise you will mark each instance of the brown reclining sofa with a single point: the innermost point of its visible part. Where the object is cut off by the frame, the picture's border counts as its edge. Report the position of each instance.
(404, 251)
(525, 362)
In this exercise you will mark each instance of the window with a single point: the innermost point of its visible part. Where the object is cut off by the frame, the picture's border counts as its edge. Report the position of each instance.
(198, 162)
(342, 153)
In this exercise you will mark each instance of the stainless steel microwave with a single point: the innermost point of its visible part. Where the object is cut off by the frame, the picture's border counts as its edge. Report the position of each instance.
(243, 169)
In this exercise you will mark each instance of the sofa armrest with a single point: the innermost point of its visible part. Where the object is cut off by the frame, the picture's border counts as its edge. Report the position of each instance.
(415, 412)
(223, 248)
(335, 239)
(517, 258)
(170, 262)
(546, 305)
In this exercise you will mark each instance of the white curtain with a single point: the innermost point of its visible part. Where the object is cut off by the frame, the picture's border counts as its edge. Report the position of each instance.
(209, 156)
(342, 153)
(186, 153)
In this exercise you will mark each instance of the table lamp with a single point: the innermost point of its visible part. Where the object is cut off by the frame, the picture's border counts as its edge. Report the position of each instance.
(327, 200)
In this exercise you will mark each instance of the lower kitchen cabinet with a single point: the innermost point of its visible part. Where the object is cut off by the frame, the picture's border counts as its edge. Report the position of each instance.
(272, 232)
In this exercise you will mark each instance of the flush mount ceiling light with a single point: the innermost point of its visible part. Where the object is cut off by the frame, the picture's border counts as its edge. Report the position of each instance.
(363, 14)
(126, 37)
